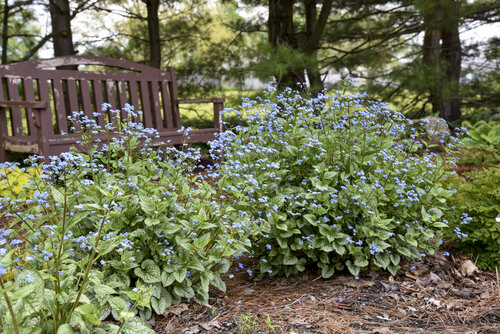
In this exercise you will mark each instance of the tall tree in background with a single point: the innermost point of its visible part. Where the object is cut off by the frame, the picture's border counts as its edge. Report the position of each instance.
(19, 30)
(286, 36)
(62, 36)
(154, 32)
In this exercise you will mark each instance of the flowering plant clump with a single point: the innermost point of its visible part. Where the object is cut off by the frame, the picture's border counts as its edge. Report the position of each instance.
(122, 230)
(335, 181)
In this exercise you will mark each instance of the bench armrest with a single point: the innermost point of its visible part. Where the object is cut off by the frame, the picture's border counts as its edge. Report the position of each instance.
(24, 104)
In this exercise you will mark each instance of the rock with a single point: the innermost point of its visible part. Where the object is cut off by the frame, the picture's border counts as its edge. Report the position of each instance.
(436, 128)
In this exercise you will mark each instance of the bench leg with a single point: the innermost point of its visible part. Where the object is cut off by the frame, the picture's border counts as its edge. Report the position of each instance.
(4, 154)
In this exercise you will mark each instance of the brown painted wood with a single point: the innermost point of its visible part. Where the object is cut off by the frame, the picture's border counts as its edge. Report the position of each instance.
(122, 97)
(4, 154)
(167, 106)
(155, 106)
(148, 89)
(60, 108)
(73, 101)
(146, 104)
(134, 98)
(86, 99)
(111, 99)
(29, 95)
(24, 104)
(172, 85)
(98, 101)
(15, 112)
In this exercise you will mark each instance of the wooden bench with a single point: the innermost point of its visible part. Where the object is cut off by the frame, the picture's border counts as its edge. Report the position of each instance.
(37, 98)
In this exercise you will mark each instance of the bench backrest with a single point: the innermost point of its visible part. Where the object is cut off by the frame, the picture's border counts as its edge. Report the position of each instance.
(146, 88)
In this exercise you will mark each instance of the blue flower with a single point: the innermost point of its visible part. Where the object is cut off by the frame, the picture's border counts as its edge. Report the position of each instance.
(29, 278)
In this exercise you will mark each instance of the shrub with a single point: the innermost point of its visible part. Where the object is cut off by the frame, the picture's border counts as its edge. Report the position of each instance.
(121, 229)
(485, 144)
(13, 180)
(476, 205)
(335, 181)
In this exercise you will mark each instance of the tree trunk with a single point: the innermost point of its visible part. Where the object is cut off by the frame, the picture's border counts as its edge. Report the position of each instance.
(451, 60)
(431, 54)
(154, 33)
(281, 33)
(5, 31)
(315, 26)
(61, 28)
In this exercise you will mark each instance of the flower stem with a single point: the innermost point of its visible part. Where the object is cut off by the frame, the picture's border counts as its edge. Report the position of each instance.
(9, 305)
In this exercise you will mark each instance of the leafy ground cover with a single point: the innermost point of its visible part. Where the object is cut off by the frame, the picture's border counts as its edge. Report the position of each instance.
(116, 237)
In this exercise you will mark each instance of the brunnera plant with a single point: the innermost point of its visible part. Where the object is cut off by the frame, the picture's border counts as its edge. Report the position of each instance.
(118, 229)
(335, 181)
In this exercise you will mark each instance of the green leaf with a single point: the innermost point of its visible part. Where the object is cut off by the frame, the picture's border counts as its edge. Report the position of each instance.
(57, 195)
(405, 252)
(104, 290)
(290, 260)
(425, 215)
(89, 313)
(330, 175)
(118, 280)
(436, 213)
(311, 219)
(160, 304)
(135, 326)
(392, 269)
(395, 258)
(338, 248)
(439, 225)
(292, 150)
(282, 226)
(352, 268)
(360, 262)
(149, 272)
(66, 329)
(180, 275)
(108, 245)
(151, 222)
(118, 305)
(185, 292)
(327, 272)
(218, 283)
(167, 278)
(32, 302)
(384, 259)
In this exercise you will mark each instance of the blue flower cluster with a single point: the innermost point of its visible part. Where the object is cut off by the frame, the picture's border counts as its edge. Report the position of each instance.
(334, 180)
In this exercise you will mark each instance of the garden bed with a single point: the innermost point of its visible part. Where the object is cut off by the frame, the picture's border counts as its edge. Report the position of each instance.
(440, 295)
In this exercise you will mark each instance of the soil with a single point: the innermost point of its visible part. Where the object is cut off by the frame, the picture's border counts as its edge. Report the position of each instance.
(441, 294)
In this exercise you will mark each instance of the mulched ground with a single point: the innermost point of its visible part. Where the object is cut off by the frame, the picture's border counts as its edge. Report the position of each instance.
(440, 295)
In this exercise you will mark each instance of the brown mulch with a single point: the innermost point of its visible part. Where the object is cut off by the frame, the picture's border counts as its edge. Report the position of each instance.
(439, 295)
